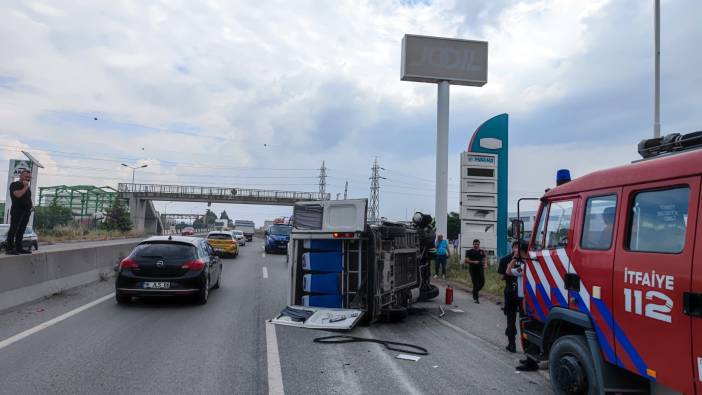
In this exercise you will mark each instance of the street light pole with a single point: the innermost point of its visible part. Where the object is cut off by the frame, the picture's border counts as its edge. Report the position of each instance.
(134, 171)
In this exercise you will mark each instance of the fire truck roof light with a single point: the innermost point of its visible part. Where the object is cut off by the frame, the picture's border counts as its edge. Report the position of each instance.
(562, 176)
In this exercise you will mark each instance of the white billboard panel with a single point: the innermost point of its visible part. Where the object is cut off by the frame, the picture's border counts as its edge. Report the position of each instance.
(435, 59)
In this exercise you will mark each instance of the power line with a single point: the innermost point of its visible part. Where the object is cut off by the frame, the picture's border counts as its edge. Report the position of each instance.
(119, 159)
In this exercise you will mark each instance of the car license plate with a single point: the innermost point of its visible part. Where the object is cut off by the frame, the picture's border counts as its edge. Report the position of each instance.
(156, 285)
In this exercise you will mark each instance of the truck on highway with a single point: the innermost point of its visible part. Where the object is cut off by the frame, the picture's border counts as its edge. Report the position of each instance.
(221, 224)
(613, 283)
(246, 226)
(343, 269)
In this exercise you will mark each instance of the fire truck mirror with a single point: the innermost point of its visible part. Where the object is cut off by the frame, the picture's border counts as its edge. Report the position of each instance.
(514, 230)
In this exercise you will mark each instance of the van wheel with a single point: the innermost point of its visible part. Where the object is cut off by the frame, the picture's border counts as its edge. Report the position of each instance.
(36, 247)
(122, 298)
(571, 368)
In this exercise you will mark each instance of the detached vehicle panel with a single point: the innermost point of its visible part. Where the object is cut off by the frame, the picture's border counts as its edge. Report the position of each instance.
(343, 269)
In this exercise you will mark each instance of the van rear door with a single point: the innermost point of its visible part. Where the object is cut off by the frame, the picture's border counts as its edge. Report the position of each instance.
(318, 317)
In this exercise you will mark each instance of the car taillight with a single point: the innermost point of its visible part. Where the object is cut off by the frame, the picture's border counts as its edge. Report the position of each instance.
(128, 263)
(197, 264)
(342, 235)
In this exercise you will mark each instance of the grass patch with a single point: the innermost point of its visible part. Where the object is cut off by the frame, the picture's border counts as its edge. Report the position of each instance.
(494, 284)
(61, 234)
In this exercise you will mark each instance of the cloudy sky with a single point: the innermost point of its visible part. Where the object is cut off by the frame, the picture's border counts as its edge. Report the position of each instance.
(258, 94)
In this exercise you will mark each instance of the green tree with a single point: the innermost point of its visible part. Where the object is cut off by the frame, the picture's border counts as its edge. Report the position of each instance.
(198, 223)
(453, 226)
(224, 215)
(210, 217)
(51, 216)
(117, 217)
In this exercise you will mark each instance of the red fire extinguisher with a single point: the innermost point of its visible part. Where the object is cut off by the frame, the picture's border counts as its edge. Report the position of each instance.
(449, 295)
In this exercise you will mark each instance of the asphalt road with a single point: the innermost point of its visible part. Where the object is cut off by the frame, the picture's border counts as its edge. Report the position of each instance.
(162, 346)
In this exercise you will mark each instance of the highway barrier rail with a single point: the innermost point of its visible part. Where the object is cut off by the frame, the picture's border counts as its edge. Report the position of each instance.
(25, 278)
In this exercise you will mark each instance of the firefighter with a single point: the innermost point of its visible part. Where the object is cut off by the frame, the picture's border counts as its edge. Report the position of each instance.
(515, 269)
(510, 268)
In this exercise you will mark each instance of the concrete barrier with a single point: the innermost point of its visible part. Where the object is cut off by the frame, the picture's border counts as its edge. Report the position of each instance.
(25, 278)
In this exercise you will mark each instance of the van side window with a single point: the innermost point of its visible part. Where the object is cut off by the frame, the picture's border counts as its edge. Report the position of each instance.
(600, 213)
(539, 238)
(658, 220)
(558, 227)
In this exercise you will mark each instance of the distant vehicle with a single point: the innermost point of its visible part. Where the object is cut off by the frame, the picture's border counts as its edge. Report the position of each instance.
(225, 242)
(188, 231)
(31, 240)
(169, 266)
(240, 237)
(277, 238)
(221, 224)
(246, 226)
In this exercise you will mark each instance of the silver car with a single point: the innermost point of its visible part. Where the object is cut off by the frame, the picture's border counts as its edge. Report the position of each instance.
(241, 240)
(31, 240)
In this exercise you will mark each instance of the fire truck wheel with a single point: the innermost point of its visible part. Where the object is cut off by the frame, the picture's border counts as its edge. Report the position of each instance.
(571, 367)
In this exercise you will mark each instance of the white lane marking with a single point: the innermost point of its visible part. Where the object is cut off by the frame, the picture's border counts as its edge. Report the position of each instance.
(265, 272)
(52, 321)
(402, 378)
(263, 255)
(275, 374)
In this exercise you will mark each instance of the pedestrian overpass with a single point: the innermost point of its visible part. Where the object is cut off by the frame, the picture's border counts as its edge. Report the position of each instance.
(145, 217)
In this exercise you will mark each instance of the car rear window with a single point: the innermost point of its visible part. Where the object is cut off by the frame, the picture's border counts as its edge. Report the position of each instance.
(219, 236)
(166, 250)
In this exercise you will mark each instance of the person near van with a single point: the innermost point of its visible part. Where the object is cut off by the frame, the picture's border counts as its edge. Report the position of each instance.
(442, 254)
(516, 268)
(511, 267)
(475, 258)
(20, 211)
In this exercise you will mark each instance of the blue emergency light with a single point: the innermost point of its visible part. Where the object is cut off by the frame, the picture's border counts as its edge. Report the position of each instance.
(562, 176)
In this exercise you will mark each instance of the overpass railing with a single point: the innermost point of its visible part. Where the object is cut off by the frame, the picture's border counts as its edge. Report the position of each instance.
(185, 191)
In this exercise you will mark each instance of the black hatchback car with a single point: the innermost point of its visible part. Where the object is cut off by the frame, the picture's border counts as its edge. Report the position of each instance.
(169, 266)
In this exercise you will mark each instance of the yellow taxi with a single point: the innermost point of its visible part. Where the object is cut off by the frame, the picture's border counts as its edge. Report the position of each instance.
(225, 242)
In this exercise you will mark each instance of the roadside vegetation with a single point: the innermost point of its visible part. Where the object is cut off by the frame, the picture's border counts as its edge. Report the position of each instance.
(55, 224)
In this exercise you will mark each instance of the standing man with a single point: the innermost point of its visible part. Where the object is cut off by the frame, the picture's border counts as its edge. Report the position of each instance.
(442, 253)
(475, 258)
(19, 213)
(512, 270)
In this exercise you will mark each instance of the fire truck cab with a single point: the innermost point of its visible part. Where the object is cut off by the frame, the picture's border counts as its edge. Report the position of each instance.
(613, 283)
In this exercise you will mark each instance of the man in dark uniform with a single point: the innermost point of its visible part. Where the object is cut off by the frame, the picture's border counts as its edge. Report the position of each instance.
(510, 297)
(475, 258)
(19, 213)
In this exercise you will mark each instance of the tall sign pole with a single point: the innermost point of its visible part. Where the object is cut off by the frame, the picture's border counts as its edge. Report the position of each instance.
(442, 145)
(443, 61)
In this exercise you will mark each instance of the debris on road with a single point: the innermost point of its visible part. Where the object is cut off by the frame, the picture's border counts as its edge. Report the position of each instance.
(408, 357)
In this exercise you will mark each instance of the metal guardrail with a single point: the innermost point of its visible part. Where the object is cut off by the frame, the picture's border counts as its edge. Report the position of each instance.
(186, 191)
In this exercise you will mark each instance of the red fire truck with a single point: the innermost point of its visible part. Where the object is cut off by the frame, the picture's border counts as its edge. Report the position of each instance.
(613, 286)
